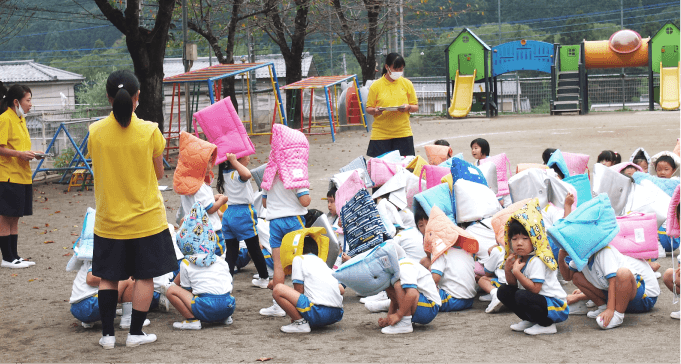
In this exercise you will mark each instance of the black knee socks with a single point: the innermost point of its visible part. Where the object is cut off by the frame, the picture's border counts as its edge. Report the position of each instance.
(107, 299)
(232, 246)
(137, 322)
(13, 239)
(5, 247)
(253, 245)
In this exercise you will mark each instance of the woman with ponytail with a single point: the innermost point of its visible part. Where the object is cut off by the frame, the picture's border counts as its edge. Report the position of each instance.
(16, 188)
(391, 99)
(131, 229)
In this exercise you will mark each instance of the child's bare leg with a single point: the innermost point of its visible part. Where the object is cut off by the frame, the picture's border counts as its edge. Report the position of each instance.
(425, 261)
(410, 301)
(278, 270)
(485, 284)
(394, 304)
(588, 289)
(576, 296)
(287, 298)
(181, 299)
(668, 279)
(625, 289)
(654, 265)
(125, 290)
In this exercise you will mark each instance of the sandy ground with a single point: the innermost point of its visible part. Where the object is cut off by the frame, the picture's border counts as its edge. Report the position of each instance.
(36, 325)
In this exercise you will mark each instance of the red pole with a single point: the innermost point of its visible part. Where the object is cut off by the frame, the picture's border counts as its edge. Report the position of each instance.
(309, 117)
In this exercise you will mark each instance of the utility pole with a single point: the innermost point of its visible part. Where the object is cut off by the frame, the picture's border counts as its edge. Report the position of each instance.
(402, 27)
(499, 15)
(345, 67)
(622, 27)
(185, 61)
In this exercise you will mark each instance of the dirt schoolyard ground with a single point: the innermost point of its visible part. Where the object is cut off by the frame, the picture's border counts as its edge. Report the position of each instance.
(37, 326)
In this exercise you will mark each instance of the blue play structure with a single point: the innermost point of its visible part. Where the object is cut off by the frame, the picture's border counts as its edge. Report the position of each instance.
(522, 55)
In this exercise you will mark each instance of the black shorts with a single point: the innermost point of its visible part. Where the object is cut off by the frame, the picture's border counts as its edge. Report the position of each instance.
(16, 200)
(141, 258)
(404, 145)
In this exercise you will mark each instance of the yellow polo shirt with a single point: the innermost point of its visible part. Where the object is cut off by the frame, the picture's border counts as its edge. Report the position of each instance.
(14, 135)
(391, 124)
(129, 204)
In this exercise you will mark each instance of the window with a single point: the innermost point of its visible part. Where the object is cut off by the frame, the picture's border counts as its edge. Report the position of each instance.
(669, 30)
(572, 52)
(465, 39)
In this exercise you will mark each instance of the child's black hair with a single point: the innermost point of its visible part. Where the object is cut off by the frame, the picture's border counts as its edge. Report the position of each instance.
(558, 171)
(617, 158)
(441, 142)
(668, 159)
(7, 96)
(332, 192)
(483, 144)
(546, 155)
(393, 60)
(222, 167)
(310, 246)
(122, 85)
(605, 156)
(628, 167)
(515, 228)
(639, 157)
(419, 214)
(312, 216)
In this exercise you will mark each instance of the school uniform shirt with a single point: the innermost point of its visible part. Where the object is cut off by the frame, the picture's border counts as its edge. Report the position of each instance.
(14, 135)
(205, 197)
(80, 289)
(282, 202)
(495, 264)
(391, 124)
(411, 241)
(321, 288)
(551, 214)
(483, 232)
(456, 267)
(538, 272)
(129, 204)
(213, 279)
(414, 275)
(161, 281)
(407, 218)
(238, 191)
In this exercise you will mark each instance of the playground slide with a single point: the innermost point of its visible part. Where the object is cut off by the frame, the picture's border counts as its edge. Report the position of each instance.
(669, 88)
(463, 95)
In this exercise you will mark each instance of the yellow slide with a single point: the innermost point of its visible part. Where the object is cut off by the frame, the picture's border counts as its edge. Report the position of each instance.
(669, 87)
(463, 95)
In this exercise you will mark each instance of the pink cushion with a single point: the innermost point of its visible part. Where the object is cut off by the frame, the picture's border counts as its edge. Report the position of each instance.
(381, 171)
(288, 157)
(637, 237)
(576, 163)
(348, 190)
(433, 174)
(503, 172)
(672, 218)
(222, 127)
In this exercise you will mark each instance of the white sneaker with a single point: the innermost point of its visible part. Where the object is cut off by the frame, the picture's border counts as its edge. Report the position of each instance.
(486, 298)
(273, 310)
(107, 342)
(125, 324)
(119, 312)
(188, 325)
(377, 297)
(495, 305)
(16, 263)
(402, 327)
(27, 261)
(593, 314)
(676, 315)
(661, 253)
(378, 306)
(541, 330)
(522, 325)
(137, 340)
(256, 276)
(590, 304)
(658, 275)
(578, 308)
(296, 327)
(163, 303)
(87, 325)
(228, 321)
(617, 320)
(261, 282)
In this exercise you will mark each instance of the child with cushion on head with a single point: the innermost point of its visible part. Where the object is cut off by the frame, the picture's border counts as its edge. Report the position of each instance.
(540, 301)
(479, 150)
(665, 166)
(332, 215)
(606, 158)
(240, 219)
(640, 157)
(615, 282)
(444, 143)
(202, 290)
(316, 298)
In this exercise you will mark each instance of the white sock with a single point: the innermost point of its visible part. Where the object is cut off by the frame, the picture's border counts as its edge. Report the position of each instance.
(127, 311)
(493, 292)
(619, 314)
(406, 318)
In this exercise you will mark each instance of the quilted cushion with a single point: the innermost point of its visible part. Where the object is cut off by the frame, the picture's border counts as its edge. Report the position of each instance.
(672, 217)
(558, 161)
(372, 271)
(503, 168)
(196, 238)
(677, 148)
(620, 166)
(288, 157)
(448, 162)
(442, 234)
(222, 126)
(439, 196)
(653, 162)
(648, 198)
(195, 155)
(474, 201)
(500, 219)
(82, 248)
(292, 246)
(638, 236)
(359, 163)
(416, 164)
(489, 171)
(437, 154)
(530, 217)
(362, 225)
(462, 169)
(348, 189)
(381, 171)
(576, 163)
(615, 185)
(667, 185)
(433, 175)
(581, 183)
(588, 229)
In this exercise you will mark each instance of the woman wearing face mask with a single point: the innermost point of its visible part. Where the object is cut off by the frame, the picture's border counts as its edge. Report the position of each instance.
(391, 130)
(16, 189)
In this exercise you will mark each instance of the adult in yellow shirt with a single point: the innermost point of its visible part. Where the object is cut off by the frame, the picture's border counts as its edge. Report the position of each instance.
(131, 229)
(16, 185)
(391, 129)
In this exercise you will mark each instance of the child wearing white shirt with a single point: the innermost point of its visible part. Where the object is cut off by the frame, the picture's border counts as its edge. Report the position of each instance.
(494, 277)
(454, 274)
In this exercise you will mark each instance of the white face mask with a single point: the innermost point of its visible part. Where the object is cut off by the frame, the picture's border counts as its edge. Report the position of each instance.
(395, 75)
(20, 111)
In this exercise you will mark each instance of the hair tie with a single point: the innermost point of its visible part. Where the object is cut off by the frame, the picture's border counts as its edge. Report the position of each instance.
(120, 86)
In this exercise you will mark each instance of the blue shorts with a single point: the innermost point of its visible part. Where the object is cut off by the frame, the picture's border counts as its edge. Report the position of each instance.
(242, 258)
(154, 300)
(426, 310)
(268, 258)
(238, 222)
(316, 315)
(220, 247)
(211, 307)
(449, 303)
(495, 282)
(558, 309)
(641, 302)
(282, 226)
(86, 310)
(668, 243)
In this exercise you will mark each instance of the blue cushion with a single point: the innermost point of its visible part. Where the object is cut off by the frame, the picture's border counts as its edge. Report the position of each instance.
(372, 271)
(448, 162)
(558, 160)
(439, 196)
(667, 185)
(362, 224)
(581, 183)
(82, 249)
(588, 229)
(467, 171)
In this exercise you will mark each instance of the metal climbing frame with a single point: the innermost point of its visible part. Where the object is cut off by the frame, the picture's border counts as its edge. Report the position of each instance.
(326, 83)
(213, 77)
(78, 158)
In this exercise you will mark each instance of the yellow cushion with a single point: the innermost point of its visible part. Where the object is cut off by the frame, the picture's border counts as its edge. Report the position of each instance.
(293, 243)
(417, 164)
